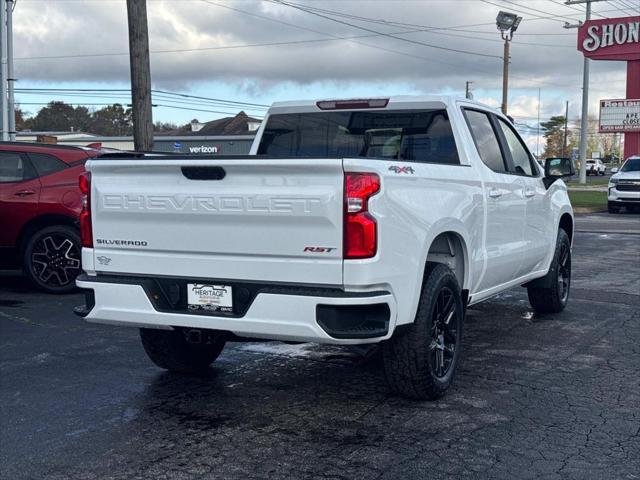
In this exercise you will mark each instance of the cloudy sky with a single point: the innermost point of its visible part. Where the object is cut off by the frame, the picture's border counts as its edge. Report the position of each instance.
(258, 51)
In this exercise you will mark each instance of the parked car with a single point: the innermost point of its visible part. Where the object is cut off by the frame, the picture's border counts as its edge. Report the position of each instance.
(358, 222)
(39, 206)
(596, 167)
(624, 186)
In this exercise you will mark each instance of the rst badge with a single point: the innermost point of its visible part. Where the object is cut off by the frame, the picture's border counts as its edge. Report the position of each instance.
(318, 249)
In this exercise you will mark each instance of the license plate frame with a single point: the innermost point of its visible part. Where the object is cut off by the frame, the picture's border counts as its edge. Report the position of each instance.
(209, 297)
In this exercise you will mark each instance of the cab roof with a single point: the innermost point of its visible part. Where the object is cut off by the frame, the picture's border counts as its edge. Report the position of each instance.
(392, 103)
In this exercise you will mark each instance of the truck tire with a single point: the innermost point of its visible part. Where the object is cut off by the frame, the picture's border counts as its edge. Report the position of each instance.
(51, 258)
(611, 208)
(175, 350)
(554, 297)
(420, 360)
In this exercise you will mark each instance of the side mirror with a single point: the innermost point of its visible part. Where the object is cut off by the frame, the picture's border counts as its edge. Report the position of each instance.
(614, 170)
(556, 168)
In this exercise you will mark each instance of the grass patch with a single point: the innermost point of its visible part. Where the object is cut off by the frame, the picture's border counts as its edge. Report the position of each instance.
(586, 199)
(591, 181)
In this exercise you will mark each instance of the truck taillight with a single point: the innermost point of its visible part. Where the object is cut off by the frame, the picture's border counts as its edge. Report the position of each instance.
(360, 229)
(86, 233)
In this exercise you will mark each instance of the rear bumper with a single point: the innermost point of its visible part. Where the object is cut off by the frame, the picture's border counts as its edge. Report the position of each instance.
(292, 313)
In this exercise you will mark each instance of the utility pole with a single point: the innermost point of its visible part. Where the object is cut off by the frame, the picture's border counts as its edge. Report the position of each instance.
(140, 75)
(566, 120)
(10, 80)
(468, 94)
(3, 71)
(538, 133)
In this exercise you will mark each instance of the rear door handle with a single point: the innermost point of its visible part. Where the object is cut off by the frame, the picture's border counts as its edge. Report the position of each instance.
(529, 193)
(24, 193)
(494, 193)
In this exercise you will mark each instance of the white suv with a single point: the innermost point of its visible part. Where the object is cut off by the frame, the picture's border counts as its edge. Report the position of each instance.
(596, 167)
(624, 186)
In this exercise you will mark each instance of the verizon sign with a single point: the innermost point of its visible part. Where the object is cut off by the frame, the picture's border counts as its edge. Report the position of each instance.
(610, 38)
(619, 116)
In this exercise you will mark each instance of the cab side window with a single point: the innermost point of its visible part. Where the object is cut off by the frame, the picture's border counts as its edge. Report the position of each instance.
(486, 140)
(15, 168)
(46, 164)
(522, 163)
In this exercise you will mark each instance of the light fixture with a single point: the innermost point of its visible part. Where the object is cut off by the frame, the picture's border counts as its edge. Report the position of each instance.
(507, 21)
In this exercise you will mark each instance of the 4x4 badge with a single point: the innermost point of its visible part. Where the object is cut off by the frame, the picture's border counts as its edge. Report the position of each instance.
(399, 170)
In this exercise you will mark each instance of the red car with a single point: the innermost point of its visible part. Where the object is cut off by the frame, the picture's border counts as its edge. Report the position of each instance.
(39, 207)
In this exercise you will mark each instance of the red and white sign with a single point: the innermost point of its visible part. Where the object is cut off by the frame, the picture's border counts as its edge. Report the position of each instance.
(619, 116)
(610, 38)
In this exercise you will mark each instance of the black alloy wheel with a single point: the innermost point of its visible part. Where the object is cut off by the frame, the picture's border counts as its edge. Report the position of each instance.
(444, 333)
(52, 258)
(564, 272)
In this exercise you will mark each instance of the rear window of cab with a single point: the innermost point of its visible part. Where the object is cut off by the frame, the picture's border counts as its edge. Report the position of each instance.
(408, 135)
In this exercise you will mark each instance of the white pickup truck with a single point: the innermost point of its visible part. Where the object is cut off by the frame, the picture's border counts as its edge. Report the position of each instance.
(350, 222)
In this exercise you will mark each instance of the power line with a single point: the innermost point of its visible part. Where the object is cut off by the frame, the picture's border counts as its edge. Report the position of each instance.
(415, 42)
(209, 98)
(80, 91)
(420, 28)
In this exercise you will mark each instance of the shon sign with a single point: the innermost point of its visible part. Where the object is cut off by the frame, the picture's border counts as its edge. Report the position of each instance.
(619, 116)
(610, 38)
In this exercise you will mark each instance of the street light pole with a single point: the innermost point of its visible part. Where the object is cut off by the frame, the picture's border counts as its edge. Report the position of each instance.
(566, 120)
(584, 121)
(507, 23)
(505, 71)
(585, 111)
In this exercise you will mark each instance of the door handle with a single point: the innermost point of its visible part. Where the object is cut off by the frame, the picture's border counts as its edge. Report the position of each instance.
(494, 193)
(24, 193)
(529, 193)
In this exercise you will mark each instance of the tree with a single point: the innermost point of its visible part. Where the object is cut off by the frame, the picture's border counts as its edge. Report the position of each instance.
(554, 136)
(165, 126)
(59, 116)
(112, 120)
(610, 144)
(605, 143)
(21, 122)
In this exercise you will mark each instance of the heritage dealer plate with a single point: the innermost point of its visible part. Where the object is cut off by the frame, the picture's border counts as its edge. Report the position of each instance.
(214, 298)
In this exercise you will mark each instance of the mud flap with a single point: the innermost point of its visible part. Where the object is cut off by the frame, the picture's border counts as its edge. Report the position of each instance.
(543, 282)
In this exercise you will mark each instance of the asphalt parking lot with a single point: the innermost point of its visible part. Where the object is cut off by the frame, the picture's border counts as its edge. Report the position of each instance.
(537, 397)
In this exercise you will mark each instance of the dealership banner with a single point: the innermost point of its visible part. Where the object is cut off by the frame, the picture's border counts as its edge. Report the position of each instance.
(619, 116)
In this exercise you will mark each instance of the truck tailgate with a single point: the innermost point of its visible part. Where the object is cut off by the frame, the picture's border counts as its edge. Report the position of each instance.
(245, 219)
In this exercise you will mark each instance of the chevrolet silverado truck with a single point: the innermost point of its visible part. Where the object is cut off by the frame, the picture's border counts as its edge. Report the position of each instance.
(375, 221)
